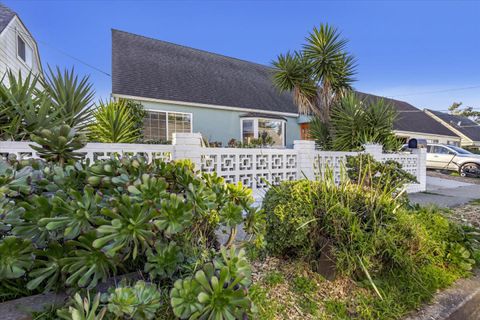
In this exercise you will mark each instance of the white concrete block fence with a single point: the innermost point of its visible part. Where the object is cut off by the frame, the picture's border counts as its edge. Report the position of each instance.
(255, 168)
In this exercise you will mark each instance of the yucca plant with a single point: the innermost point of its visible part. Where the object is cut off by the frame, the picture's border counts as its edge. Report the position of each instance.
(115, 123)
(83, 309)
(58, 144)
(23, 109)
(71, 96)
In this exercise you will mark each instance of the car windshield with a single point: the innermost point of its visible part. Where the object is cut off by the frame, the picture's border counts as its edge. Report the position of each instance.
(460, 150)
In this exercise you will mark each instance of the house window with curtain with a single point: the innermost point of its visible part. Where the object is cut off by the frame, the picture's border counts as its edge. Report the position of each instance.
(255, 128)
(160, 125)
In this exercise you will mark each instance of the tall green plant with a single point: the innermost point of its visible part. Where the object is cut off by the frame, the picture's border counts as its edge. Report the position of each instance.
(318, 74)
(71, 96)
(23, 109)
(114, 122)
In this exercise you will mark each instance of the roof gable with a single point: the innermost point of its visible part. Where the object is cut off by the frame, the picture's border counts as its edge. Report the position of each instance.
(468, 127)
(156, 69)
(6, 15)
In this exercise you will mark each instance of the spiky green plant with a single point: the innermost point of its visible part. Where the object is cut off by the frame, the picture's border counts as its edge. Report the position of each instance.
(164, 261)
(71, 96)
(318, 74)
(16, 257)
(130, 228)
(58, 144)
(83, 309)
(115, 123)
(87, 265)
(23, 109)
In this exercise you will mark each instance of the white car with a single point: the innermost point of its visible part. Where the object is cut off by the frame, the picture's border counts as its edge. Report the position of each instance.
(447, 157)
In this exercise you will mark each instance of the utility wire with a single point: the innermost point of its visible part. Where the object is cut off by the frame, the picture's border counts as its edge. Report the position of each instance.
(435, 91)
(62, 52)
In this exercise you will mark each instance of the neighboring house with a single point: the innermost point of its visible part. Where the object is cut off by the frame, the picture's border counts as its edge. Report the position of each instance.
(414, 123)
(18, 48)
(467, 129)
(190, 90)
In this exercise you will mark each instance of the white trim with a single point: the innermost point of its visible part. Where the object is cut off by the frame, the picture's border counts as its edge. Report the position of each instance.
(255, 127)
(166, 120)
(203, 105)
(419, 134)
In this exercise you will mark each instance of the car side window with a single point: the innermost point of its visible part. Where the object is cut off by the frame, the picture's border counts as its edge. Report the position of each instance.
(429, 149)
(440, 150)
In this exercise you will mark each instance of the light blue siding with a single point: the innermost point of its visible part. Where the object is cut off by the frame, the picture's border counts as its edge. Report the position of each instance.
(220, 125)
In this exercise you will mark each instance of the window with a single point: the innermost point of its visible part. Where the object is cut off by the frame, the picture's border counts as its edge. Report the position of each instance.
(441, 150)
(453, 143)
(24, 52)
(255, 128)
(160, 125)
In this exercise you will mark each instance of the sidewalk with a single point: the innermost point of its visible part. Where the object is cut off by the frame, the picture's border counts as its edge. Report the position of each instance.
(446, 193)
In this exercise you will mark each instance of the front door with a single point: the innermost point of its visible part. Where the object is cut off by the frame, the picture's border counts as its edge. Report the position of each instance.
(304, 131)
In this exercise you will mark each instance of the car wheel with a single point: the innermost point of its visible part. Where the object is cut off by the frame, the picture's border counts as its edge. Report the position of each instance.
(470, 169)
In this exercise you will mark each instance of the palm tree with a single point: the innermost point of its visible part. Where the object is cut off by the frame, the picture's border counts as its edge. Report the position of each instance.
(317, 75)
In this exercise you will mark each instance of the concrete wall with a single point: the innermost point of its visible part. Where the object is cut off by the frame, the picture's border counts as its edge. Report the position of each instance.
(8, 50)
(220, 125)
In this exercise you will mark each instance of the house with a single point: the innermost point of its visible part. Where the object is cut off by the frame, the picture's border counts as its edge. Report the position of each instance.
(467, 129)
(189, 90)
(18, 48)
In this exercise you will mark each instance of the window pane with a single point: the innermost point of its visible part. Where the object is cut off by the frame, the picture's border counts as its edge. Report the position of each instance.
(154, 126)
(21, 48)
(247, 129)
(271, 128)
(179, 122)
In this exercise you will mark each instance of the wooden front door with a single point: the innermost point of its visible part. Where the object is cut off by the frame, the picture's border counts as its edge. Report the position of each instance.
(304, 128)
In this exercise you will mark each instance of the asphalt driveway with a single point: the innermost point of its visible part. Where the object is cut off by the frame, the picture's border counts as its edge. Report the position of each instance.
(446, 193)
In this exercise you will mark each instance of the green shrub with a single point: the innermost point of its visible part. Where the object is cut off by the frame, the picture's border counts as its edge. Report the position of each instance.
(77, 225)
(405, 254)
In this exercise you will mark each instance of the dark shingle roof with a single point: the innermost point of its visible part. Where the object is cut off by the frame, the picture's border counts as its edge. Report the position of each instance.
(412, 119)
(6, 15)
(466, 126)
(152, 68)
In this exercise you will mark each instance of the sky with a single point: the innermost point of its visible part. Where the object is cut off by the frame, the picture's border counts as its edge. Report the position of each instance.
(426, 53)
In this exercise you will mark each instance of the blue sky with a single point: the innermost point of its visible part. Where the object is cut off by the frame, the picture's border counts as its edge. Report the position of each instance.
(403, 48)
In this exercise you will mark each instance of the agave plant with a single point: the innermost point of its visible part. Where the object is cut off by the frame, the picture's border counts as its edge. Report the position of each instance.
(220, 296)
(70, 96)
(129, 230)
(16, 257)
(236, 263)
(114, 123)
(139, 302)
(74, 216)
(58, 144)
(175, 214)
(27, 224)
(164, 261)
(87, 265)
(83, 309)
(24, 110)
(47, 270)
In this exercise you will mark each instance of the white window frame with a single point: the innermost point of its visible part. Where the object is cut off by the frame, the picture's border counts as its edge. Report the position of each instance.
(27, 47)
(255, 127)
(175, 112)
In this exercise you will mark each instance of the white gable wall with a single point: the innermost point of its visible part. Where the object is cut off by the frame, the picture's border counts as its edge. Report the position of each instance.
(8, 50)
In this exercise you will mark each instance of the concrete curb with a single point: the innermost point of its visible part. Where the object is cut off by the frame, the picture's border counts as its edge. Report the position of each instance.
(459, 302)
